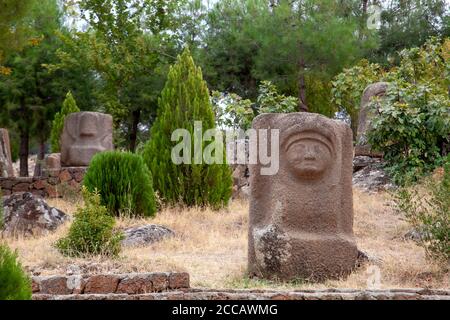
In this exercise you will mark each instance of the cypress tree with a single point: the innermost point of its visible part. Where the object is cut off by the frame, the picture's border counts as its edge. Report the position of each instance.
(69, 106)
(184, 100)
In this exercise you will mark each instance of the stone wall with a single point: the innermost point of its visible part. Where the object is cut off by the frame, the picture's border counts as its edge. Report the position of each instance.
(53, 183)
(128, 284)
(202, 294)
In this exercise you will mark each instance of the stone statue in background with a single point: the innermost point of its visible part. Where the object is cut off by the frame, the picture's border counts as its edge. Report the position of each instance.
(301, 218)
(366, 115)
(84, 135)
(6, 167)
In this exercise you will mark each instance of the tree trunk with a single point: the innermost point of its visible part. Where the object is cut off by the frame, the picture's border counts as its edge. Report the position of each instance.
(24, 133)
(23, 151)
(302, 103)
(136, 116)
(40, 158)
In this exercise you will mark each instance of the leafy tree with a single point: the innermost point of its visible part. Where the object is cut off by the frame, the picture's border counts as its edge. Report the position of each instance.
(349, 86)
(12, 27)
(184, 100)
(29, 94)
(33, 92)
(69, 106)
(290, 43)
(233, 111)
(413, 119)
(410, 23)
(127, 47)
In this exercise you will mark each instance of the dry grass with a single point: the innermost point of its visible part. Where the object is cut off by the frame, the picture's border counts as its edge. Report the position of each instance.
(212, 247)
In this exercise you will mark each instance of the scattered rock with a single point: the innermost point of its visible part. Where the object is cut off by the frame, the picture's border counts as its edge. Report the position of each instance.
(144, 235)
(360, 162)
(372, 178)
(414, 235)
(27, 214)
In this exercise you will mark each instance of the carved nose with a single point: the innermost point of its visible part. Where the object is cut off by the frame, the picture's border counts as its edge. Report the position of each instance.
(310, 155)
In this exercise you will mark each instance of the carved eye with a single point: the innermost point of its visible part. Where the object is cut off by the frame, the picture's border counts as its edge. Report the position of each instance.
(317, 148)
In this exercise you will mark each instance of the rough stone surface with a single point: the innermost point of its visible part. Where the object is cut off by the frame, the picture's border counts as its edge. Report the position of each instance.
(53, 161)
(301, 218)
(84, 135)
(6, 167)
(372, 178)
(201, 294)
(366, 115)
(145, 235)
(360, 162)
(27, 214)
(103, 283)
(53, 183)
(130, 284)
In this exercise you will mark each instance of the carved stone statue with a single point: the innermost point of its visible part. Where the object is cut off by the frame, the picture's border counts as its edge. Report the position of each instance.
(366, 115)
(301, 218)
(84, 135)
(6, 168)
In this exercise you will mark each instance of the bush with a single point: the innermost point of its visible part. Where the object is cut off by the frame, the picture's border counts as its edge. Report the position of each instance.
(124, 182)
(185, 99)
(69, 106)
(14, 282)
(430, 213)
(92, 232)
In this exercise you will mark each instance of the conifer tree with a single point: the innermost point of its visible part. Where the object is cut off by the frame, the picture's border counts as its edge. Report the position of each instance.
(184, 100)
(69, 106)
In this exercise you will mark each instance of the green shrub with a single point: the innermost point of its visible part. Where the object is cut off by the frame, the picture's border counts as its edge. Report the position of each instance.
(14, 282)
(69, 106)
(124, 182)
(92, 231)
(430, 213)
(184, 100)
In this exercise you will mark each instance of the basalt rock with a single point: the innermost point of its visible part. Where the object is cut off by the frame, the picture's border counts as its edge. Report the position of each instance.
(26, 214)
(301, 217)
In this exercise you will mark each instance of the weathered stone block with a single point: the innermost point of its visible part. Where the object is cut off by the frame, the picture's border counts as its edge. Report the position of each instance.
(84, 135)
(301, 217)
(102, 284)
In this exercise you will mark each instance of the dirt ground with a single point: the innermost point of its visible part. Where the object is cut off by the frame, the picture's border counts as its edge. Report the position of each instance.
(212, 247)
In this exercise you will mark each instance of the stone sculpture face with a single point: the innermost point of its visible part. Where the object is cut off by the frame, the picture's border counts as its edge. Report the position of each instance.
(301, 218)
(308, 155)
(84, 135)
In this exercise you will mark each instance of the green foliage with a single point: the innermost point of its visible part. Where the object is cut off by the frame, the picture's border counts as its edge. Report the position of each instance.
(185, 99)
(414, 119)
(410, 23)
(349, 85)
(126, 47)
(124, 183)
(290, 43)
(234, 112)
(430, 213)
(13, 28)
(14, 282)
(69, 106)
(92, 231)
